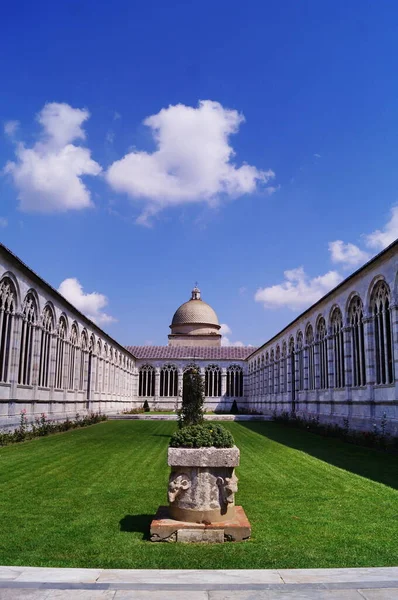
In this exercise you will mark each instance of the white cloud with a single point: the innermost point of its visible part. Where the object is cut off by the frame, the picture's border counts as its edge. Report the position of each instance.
(192, 162)
(110, 137)
(89, 304)
(298, 291)
(3, 222)
(11, 127)
(347, 254)
(381, 238)
(48, 175)
(225, 330)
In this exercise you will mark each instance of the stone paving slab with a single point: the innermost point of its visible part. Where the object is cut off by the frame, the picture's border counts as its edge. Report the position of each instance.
(287, 595)
(338, 575)
(361, 594)
(191, 576)
(31, 583)
(166, 417)
(53, 575)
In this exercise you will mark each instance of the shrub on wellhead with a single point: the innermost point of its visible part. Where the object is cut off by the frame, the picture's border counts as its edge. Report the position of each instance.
(202, 436)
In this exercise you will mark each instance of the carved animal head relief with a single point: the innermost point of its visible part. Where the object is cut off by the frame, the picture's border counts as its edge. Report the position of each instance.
(228, 487)
(177, 485)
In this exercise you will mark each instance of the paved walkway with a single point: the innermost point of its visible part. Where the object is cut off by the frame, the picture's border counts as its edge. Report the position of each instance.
(173, 417)
(31, 583)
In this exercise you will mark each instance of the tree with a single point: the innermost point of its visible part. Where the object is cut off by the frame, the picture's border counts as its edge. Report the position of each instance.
(193, 397)
(234, 408)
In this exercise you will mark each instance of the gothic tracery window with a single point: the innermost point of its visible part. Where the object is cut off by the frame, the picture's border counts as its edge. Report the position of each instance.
(310, 343)
(336, 325)
(7, 312)
(83, 360)
(98, 366)
(146, 385)
(266, 374)
(235, 381)
(47, 323)
(355, 316)
(284, 367)
(73, 349)
(300, 360)
(278, 370)
(29, 318)
(60, 353)
(323, 354)
(169, 381)
(105, 368)
(292, 366)
(91, 364)
(213, 381)
(272, 372)
(383, 343)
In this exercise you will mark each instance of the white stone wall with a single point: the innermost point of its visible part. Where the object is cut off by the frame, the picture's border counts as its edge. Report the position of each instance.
(103, 377)
(364, 406)
(222, 402)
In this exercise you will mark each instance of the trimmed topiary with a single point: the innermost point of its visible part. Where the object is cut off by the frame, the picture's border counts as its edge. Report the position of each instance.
(193, 397)
(234, 408)
(202, 436)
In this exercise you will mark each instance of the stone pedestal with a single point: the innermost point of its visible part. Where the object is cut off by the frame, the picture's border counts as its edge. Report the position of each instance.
(201, 494)
(166, 529)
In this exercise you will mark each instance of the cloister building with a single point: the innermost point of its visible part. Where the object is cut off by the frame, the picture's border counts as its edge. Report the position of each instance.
(336, 361)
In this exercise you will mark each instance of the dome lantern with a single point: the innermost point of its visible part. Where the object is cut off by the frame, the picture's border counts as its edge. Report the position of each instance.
(196, 293)
(195, 323)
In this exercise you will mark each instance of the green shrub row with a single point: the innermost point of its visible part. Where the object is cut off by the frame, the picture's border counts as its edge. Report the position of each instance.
(202, 436)
(44, 426)
(376, 438)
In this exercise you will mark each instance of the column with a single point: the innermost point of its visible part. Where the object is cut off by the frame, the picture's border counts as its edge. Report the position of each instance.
(67, 351)
(306, 367)
(157, 384)
(223, 382)
(331, 365)
(317, 366)
(36, 329)
(394, 330)
(180, 386)
(52, 361)
(368, 324)
(348, 367)
(296, 380)
(331, 371)
(13, 357)
(347, 356)
(15, 346)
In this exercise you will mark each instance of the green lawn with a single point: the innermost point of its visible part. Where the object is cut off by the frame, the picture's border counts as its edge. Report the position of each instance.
(85, 498)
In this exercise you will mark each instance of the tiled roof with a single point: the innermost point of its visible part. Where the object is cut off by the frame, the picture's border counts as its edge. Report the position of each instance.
(192, 352)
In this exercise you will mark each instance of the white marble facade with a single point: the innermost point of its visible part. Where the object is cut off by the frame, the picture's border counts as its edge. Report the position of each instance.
(160, 380)
(53, 359)
(338, 360)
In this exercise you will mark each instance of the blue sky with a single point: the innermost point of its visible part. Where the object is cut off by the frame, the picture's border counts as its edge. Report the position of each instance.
(137, 212)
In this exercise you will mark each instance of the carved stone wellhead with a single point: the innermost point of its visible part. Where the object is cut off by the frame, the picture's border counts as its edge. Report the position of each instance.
(202, 484)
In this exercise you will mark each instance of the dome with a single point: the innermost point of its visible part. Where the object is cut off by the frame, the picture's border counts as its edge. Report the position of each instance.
(195, 311)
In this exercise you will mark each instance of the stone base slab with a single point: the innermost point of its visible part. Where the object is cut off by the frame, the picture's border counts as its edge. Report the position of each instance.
(165, 529)
(203, 457)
